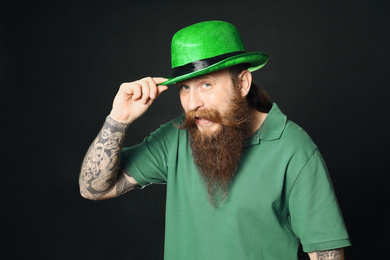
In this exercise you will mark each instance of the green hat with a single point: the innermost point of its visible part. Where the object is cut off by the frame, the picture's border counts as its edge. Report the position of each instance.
(205, 47)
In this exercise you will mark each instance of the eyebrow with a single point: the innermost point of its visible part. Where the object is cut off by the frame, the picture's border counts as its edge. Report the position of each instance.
(198, 78)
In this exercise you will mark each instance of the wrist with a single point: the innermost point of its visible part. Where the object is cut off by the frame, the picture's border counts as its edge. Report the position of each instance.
(116, 123)
(120, 118)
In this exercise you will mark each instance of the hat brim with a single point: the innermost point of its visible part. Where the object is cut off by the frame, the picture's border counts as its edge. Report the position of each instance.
(256, 60)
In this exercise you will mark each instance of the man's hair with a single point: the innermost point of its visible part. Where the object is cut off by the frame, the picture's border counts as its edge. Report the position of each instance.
(257, 97)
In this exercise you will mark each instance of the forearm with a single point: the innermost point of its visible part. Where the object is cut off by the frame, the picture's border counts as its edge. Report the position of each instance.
(334, 254)
(99, 170)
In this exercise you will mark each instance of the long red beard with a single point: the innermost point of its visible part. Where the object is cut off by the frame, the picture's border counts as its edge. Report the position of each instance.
(217, 154)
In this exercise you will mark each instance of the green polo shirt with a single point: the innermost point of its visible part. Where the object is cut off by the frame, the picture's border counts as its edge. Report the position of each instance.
(281, 196)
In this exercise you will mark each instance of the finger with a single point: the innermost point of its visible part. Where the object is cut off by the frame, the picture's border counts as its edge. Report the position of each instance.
(125, 93)
(161, 89)
(145, 91)
(137, 91)
(152, 87)
(126, 88)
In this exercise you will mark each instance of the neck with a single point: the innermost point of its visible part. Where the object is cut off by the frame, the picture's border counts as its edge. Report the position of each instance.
(257, 120)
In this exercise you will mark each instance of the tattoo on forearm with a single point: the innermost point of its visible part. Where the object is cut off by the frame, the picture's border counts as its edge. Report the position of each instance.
(100, 166)
(123, 185)
(330, 255)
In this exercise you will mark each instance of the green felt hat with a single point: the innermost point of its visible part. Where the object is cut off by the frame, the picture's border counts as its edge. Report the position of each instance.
(205, 47)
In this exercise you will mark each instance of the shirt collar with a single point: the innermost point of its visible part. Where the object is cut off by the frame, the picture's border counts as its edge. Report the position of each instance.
(272, 127)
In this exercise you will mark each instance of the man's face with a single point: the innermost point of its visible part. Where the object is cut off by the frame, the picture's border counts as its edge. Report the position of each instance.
(210, 92)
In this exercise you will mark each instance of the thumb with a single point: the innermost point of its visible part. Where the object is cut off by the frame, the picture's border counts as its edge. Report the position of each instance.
(161, 89)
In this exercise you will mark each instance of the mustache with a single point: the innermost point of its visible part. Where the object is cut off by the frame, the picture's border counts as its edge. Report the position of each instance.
(212, 115)
(207, 114)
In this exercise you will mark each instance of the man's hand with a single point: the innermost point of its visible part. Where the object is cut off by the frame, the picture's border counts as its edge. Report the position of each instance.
(133, 99)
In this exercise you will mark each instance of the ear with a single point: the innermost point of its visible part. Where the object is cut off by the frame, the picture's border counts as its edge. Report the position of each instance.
(246, 82)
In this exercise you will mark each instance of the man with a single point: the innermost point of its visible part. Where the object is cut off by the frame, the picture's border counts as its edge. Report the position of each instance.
(243, 181)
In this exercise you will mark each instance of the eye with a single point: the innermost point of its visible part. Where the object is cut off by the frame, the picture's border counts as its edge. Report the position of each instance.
(183, 87)
(206, 85)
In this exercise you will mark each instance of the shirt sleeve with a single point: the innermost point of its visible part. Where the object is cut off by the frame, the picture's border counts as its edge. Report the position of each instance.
(315, 214)
(147, 161)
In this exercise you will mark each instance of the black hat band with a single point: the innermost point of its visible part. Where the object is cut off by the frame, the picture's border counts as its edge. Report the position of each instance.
(201, 64)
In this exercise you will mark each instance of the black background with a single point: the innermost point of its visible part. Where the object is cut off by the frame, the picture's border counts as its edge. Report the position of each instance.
(63, 61)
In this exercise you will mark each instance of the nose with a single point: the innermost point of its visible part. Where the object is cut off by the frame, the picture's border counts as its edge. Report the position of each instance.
(195, 100)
